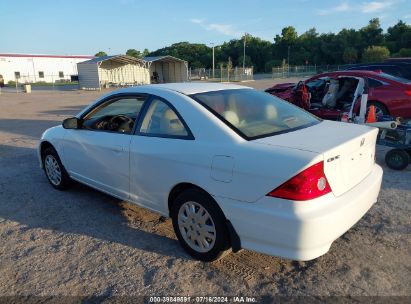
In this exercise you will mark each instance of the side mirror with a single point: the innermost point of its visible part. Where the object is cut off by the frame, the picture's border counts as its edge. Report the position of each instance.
(71, 123)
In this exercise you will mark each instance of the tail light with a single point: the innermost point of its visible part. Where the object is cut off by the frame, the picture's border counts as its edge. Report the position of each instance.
(308, 184)
(407, 92)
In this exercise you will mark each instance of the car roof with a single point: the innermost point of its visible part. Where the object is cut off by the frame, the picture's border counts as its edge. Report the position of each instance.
(372, 64)
(187, 88)
(350, 72)
(388, 78)
(375, 65)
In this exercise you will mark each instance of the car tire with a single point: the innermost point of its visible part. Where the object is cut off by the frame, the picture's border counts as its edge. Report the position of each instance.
(397, 159)
(54, 170)
(205, 238)
(380, 109)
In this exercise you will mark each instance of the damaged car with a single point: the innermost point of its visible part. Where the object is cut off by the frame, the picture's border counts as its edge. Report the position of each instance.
(330, 95)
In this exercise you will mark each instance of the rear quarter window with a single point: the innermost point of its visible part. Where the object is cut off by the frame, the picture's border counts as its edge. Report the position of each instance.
(395, 78)
(373, 83)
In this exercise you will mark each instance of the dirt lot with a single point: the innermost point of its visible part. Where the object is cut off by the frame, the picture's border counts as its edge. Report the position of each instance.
(82, 242)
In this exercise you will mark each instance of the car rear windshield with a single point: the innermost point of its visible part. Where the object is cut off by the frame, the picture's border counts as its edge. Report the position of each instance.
(395, 78)
(253, 114)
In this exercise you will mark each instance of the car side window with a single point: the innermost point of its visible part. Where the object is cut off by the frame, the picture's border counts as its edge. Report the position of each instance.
(161, 120)
(115, 115)
(372, 83)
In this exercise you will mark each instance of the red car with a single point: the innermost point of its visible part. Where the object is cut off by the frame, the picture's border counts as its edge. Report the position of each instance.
(332, 94)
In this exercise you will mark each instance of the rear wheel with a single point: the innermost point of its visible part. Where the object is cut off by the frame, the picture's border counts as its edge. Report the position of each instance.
(54, 169)
(397, 159)
(200, 225)
(380, 109)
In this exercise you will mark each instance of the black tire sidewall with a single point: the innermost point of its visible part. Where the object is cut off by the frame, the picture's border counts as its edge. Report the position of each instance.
(401, 153)
(378, 105)
(222, 240)
(65, 179)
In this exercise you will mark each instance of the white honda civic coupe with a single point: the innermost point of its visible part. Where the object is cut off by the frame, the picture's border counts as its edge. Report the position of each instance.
(233, 167)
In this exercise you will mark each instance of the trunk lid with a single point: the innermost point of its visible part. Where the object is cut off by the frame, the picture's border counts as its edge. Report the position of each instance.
(348, 150)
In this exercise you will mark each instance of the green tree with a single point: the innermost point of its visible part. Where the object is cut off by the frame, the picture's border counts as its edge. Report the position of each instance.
(287, 39)
(101, 54)
(350, 55)
(307, 47)
(403, 53)
(269, 65)
(398, 37)
(257, 53)
(346, 46)
(288, 35)
(350, 38)
(197, 55)
(248, 62)
(330, 51)
(145, 53)
(375, 53)
(372, 34)
(133, 53)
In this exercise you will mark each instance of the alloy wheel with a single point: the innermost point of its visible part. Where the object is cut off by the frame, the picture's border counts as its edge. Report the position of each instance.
(53, 170)
(196, 226)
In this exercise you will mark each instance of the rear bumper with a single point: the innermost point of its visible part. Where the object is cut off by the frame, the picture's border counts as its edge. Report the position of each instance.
(300, 230)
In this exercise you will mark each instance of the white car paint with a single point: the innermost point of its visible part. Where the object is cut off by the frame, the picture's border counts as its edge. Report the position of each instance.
(238, 173)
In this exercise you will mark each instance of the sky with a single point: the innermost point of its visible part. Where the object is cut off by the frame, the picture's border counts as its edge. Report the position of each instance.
(74, 27)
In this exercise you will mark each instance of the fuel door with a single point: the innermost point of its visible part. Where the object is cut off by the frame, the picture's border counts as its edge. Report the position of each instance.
(222, 168)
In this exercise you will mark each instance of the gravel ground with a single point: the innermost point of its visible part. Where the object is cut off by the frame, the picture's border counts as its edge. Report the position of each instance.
(85, 243)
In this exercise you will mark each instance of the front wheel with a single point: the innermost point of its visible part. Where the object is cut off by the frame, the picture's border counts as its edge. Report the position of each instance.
(54, 169)
(200, 225)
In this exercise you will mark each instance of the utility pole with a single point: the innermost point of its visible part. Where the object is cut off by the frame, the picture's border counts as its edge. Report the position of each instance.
(245, 38)
(212, 44)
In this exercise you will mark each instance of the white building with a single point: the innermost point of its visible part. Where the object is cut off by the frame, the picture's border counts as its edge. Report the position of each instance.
(27, 68)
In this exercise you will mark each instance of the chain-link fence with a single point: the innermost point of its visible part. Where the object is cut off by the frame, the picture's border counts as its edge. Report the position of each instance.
(302, 70)
(198, 74)
(222, 75)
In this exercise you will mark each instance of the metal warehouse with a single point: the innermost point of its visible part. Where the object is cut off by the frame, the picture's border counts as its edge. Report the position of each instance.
(28, 68)
(108, 70)
(165, 69)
